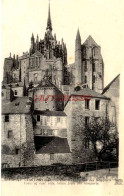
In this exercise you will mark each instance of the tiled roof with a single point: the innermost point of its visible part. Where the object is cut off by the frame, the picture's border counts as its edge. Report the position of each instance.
(87, 92)
(51, 145)
(90, 42)
(107, 87)
(50, 113)
(19, 105)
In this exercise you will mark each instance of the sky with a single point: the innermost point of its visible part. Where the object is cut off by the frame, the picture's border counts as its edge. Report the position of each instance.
(102, 19)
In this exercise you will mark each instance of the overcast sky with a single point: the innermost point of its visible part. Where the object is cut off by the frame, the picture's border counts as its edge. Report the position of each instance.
(102, 19)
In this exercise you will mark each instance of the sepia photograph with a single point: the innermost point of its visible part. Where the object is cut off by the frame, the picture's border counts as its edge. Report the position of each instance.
(60, 92)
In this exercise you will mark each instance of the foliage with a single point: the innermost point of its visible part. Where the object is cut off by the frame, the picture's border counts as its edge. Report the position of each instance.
(103, 137)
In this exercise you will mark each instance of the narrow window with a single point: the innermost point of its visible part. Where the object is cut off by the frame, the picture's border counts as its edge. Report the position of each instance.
(97, 104)
(2, 94)
(87, 104)
(9, 134)
(93, 79)
(93, 51)
(86, 120)
(85, 66)
(16, 151)
(94, 69)
(38, 117)
(51, 156)
(6, 118)
(16, 92)
(85, 79)
(35, 77)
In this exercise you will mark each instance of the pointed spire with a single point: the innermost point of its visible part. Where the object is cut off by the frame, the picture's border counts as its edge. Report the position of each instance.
(78, 37)
(49, 23)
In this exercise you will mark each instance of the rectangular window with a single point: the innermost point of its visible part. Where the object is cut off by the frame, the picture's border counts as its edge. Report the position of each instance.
(16, 151)
(87, 104)
(97, 104)
(9, 134)
(51, 156)
(38, 117)
(6, 118)
(86, 120)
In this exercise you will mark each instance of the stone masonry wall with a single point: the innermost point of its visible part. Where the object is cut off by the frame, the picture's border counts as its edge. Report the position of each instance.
(76, 114)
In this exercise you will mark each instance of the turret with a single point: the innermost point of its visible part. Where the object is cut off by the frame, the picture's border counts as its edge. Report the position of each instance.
(32, 44)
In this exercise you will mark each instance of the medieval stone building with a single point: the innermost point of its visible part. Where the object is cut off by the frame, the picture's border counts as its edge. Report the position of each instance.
(38, 122)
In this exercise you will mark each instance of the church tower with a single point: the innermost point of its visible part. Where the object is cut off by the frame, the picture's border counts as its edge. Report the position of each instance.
(93, 67)
(78, 60)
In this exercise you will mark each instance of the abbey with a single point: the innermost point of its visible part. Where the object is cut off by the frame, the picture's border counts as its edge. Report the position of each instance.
(42, 132)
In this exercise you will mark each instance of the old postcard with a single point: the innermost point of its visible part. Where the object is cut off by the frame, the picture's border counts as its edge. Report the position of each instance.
(61, 111)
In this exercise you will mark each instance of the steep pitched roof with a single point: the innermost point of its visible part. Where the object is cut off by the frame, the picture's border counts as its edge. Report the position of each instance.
(51, 145)
(90, 42)
(108, 86)
(45, 83)
(20, 105)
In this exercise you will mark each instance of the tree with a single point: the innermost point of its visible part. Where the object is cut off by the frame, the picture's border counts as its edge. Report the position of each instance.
(103, 137)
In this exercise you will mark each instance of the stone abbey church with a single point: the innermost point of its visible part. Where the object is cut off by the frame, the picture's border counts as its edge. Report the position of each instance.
(42, 132)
